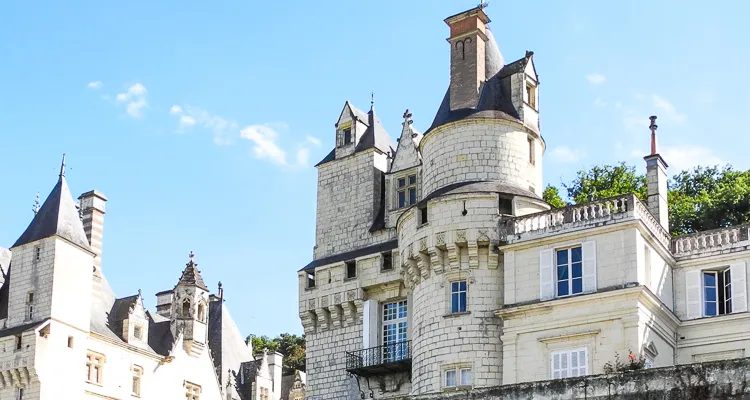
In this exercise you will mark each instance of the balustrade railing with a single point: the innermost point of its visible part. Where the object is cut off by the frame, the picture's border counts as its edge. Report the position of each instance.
(708, 240)
(573, 214)
(373, 357)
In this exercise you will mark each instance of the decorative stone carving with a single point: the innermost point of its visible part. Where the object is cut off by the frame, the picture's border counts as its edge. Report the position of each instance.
(461, 236)
(337, 298)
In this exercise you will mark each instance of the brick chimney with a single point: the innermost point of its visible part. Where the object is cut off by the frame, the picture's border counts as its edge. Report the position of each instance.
(656, 179)
(92, 215)
(467, 40)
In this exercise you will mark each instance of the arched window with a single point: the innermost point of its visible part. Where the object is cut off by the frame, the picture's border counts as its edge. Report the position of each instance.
(200, 312)
(186, 308)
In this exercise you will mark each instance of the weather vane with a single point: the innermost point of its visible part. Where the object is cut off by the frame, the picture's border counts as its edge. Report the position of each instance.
(483, 4)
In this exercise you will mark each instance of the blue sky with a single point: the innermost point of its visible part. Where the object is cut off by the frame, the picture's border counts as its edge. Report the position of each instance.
(201, 122)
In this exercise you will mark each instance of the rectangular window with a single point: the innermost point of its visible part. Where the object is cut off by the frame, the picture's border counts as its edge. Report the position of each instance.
(531, 95)
(351, 269)
(94, 367)
(407, 190)
(717, 292)
(19, 342)
(192, 391)
(138, 332)
(569, 270)
(30, 313)
(423, 215)
(457, 376)
(30, 298)
(70, 342)
(347, 136)
(395, 331)
(505, 206)
(38, 253)
(311, 279)
(20, 393)
(458, 296)
(387, 261)
(569, 363)
(136, 381)
(532, 155)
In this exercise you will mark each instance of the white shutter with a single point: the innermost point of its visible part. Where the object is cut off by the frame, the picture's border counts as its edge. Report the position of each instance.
(738, 275)
(693, 286)
(589, 266)
(370, 324)
(546, 275)
(556, 365)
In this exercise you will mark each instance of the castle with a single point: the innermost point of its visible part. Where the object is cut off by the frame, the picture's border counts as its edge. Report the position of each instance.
(438, 268)
(58, 315)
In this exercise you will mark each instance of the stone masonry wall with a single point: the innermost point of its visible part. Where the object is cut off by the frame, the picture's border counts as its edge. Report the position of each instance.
(478, 150)
(716, 380)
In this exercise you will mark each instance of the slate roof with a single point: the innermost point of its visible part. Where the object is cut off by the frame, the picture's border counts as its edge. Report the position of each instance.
(375, 135)
(495, 97)
(57, 216)
(21, 328)
(478, 186)
(192, 276)
(350, 255)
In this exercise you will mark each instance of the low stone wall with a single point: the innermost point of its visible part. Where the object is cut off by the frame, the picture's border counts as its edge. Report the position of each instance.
(714, 380)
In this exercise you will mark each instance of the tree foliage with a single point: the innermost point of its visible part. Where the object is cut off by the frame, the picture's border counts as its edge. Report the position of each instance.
(700, 199)
(292, 347)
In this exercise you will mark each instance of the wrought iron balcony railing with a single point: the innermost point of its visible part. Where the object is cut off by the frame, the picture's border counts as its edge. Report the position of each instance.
(388, 358)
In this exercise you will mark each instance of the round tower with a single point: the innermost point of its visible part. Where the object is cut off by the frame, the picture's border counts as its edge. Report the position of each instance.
(481, 160)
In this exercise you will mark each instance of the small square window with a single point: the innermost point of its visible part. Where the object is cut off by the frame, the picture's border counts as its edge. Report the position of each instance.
(531, 95)
(351, 269)
(311, 279)
(457, 377)
(387, 261)
(505, 206)
(30, 298)
(401, 182)
(347, 136)
(138, 332)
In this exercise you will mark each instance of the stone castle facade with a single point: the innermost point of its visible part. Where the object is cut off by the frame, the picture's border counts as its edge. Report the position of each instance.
(438, 268)
(59, 317)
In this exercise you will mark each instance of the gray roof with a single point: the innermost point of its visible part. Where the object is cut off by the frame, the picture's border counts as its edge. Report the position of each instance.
(478, 186)
(58, 216)
(495, 97)
(350, 255)
(191, 276)
(375, 135)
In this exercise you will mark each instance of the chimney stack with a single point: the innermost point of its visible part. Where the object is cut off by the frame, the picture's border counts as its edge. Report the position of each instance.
(92, 214)
(656, 179)
(467, 40)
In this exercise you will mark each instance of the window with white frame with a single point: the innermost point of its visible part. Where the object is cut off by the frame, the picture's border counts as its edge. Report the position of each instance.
(459, 376)
(569, 271)
(137, 372)
(716, 291)
(531, 94)
(192, 391)
(458, 296)
(395, 330)
(407, 190)
(569, 363)
(94, 367)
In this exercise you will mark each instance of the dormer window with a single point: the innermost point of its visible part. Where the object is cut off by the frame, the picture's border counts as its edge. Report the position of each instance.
(138, 332)
(531, 94)
(186, 308)
(407, 190)
(201, 312)
(347, 133)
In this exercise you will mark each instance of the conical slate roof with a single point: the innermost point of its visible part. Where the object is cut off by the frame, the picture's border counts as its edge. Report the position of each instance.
(375, 135)
(191, 276)
(58, 216)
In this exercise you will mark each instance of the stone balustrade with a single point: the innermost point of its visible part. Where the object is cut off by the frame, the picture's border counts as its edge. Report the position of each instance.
(717, 239)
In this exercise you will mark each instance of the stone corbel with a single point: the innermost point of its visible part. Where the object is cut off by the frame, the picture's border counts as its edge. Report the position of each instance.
(412, 271)
(15, 377)
(308, 319)
(436, 260)
(3, 382)
(350, 312)
(335, 316)
(7, 379)
(25, 378)
(423, 263)
(453, 255)
(359, 307)
(473, 254)
(492, 257)
(323, 315)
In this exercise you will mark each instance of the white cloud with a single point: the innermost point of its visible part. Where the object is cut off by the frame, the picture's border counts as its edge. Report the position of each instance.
(186, 121)
(264, 143)
(313, 140)
(303, 156)
(599, 102)
(135, 97)
(685, 157)
(95, 85)
(635, 118)
(667, 110)
(175, 109)
(566, 155)
(596, 79)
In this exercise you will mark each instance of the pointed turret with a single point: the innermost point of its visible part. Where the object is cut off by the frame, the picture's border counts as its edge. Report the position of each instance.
(407, 153)
(57, 216)
(190, 308)
(191, 276)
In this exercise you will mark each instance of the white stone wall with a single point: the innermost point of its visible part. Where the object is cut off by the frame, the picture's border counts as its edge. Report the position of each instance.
(654, 272)
(479, 150)
(347, 193)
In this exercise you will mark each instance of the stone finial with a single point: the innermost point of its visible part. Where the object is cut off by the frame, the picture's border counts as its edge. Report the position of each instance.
(407, 117)
(191, 255)
(62, 166)
(483, 4)
(653, 127)
(36, 205)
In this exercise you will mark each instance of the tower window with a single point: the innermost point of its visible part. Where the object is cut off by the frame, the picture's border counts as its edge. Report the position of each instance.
(532, 153)
(347, 136)
(351, 269)
(407, 190)
(201, 312)
(19, 342)
(30, 298)
(531, 95)
(31, 313)
(136, 384)
(311, 279)
(186, 308)
(423, 215)
(387, 261)
(138, 332)
(38, 253)
(505, 206)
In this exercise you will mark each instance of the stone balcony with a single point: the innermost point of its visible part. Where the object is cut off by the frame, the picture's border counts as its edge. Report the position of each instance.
(579, 217)
(713, 242)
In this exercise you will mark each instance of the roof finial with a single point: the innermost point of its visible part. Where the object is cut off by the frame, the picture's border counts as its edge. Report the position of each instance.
(483, 4)
(35, 208)
(372, 101)
(407, 117)
(653, 127)
(191, 255)
(62, 167)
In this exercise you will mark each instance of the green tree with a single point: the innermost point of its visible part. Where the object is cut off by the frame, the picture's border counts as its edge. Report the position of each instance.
(601, 182)
(552, 196)
(292, 347)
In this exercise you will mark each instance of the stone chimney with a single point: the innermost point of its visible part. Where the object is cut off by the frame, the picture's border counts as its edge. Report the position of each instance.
(275, 366)
(467, 40)
(656, 178)
(92, 215)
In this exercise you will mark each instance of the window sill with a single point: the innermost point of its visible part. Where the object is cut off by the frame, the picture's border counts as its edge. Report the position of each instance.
(354, 278)
(456, 314)
(310, 289)
(716, 318)
(94, 383)
(457, 388)
(387, 270)
(423, 225)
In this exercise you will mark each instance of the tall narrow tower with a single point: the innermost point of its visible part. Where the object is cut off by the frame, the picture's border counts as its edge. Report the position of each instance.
(190, 309)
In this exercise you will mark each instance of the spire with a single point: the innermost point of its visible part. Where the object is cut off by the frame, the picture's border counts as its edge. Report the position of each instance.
(375, 135)
(57, 216)
(191, 276)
